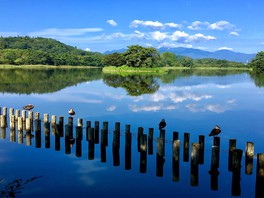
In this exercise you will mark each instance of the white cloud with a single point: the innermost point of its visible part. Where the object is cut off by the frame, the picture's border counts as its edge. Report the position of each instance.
(87, 49)
(199, 37)
(148, 24)
(111, 22)
(111, 108)
(220, 25)
(6, 34)
(172, 25)
(225, 48)
(197, 25)
(159, 36)
(181, 36)
(136, 108)
(234, 33)
(65, 32)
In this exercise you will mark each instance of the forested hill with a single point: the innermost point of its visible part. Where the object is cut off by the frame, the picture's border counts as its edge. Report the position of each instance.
(45, 51)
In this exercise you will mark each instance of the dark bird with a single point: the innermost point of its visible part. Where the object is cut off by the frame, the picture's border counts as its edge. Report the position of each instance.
(215, 131)
(28, 107)
(162, 124)
(71, 111)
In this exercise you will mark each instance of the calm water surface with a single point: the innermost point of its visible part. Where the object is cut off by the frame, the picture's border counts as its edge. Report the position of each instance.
(188, 102)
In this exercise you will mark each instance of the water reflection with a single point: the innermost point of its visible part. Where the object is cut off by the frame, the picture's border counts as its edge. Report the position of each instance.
(142, 141)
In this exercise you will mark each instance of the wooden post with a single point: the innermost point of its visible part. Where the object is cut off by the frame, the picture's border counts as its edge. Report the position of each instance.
(4, 111)
(47, 134)
(91, 143)
(11, 112)
(67, 139)
(17, 114)
(88, 125)
(13, 134)
(61, 124)
(105, 126)
(201, 149)
(20, 136)
(46, 117)
(175, 135)
(237, 156)
(53, 120)
(259, 192)
(24, 115)
(139, 136)
(57, 137)
(79, 131)
(160, 157)
(3, 121)
(96, 132)
(30, 116)
(176, 160)
(37, 115)
(249, 158)
(186, 147)
(20, 124)
(128, 141)
(104, 137)
(12, 122)
(214, 168)
(70, 123)
(115, 147)
(80, 122)
(150, 141)
(127, 128)
(143, 154)
(28, 125)
(232, 147)
(38, 133)
(216, 141)
(28, 138)
(3, 133)
(195, 164)
(117, 126)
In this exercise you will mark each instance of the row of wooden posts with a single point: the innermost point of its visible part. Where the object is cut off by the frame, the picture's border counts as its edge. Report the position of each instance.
(144, 146)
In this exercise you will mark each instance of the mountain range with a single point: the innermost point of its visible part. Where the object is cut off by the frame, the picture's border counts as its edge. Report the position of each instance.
(198, 54)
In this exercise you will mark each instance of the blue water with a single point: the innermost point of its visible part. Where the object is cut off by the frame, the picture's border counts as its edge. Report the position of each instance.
(191, 104)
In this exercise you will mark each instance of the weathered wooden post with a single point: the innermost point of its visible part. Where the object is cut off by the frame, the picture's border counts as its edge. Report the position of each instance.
(67, 139)
(12, 135)
(195, 164)
(53, 120)
(150, 141)
(143, 154)
(20, 124)
(12, 122)
(30, 116)
(128, 141)
(20, 136)
(249, 158)
(70, 123)
(3, 133)
(47, 134)
(4, 111)
(38, 133)
(17, 114)
(3, 121)
(28, 125)
(61, 124)
(160, 157)
(57, 137)
(117, 126)
(259, 191)
(91, 132)
(29, 136)
(176, 160)
(37, 115)
(24, 115)
(237, 156)
(201, 149)
(186, 145)
(88, 125)
(214, 168)
(79, 132)
(96, 132)
(232, 147)
(80, 122)
(216, 141)
(115, 148)
(139, 136)
(175, 135)
(46, 118)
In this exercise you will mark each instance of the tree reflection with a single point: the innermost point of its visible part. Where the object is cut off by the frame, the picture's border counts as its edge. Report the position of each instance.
(135, 85)
(15, 187)
(258, 78)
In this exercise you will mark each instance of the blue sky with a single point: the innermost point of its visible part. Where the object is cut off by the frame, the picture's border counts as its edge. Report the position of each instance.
(103, 25)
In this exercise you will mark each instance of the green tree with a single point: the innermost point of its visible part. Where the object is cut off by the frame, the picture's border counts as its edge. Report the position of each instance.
(138, 56)
(169, 59)
(258, 63)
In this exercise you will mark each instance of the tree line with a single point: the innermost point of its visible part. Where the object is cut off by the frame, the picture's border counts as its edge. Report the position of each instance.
(46, 51)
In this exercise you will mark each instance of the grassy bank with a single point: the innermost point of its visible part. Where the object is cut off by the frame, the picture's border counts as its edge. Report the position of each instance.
(43, 66)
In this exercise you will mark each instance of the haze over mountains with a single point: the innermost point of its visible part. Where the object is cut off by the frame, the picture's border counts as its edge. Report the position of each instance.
(197, 54)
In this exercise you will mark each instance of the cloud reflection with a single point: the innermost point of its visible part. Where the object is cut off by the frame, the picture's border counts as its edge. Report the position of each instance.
(86, 168)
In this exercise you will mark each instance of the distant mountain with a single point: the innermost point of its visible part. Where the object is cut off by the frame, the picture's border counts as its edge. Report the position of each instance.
(198, 54)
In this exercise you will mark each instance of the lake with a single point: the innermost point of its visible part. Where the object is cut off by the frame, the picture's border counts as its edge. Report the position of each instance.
(191, 102)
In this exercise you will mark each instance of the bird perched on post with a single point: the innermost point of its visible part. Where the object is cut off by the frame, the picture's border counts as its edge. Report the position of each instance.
(71, 112)
(28, 107)
(215, 131)
(162, 124)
